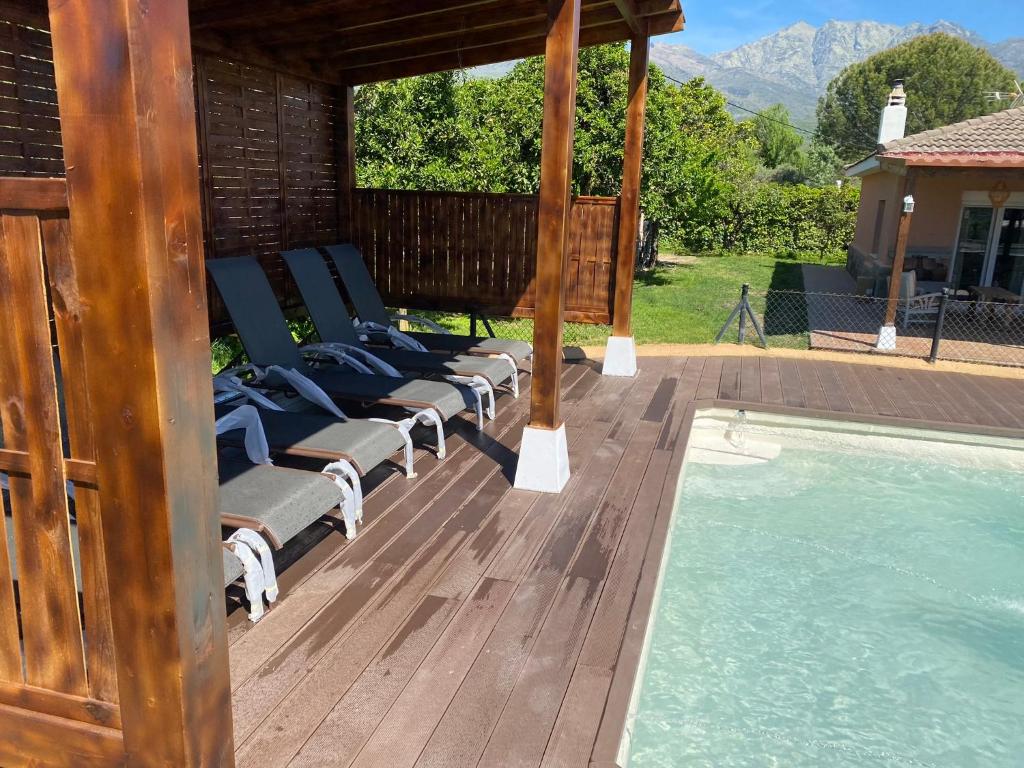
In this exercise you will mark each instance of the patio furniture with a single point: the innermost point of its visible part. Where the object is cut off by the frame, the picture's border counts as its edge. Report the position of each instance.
(375, 319)
(914, 307)
(994, 293)
(278, 363)
(334, 325)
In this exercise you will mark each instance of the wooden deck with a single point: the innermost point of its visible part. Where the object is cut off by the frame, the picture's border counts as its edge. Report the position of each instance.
(472, 624)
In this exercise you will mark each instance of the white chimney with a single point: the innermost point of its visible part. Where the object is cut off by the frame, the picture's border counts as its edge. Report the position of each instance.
(894, 116)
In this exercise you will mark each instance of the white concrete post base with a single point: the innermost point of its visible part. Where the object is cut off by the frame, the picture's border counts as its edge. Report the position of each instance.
(543, 460)
(886, 338)
(619, 357)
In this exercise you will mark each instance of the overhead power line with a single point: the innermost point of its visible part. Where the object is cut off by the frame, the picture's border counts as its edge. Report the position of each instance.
(734, 105)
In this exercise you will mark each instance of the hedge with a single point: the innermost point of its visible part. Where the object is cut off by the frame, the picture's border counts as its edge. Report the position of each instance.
(793, 218)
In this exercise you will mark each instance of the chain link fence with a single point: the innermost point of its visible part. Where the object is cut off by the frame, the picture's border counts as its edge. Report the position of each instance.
(933, 326)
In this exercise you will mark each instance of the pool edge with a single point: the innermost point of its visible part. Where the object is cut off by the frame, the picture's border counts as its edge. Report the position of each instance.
(608, 741)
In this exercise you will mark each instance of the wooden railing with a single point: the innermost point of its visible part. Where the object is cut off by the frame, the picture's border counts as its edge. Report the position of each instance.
(469, 251)
(58, 680)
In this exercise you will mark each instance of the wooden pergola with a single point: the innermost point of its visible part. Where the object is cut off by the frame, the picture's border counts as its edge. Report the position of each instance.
(113, 253)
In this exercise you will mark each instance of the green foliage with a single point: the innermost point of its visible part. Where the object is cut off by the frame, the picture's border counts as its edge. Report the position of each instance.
(446, 132)
(795, 220)
(946, 79)
(780, 143)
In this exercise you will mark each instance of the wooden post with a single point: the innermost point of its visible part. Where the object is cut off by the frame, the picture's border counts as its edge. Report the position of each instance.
(629, 207)
(127, 109)
(902, 236)
(555, 205)
(345, 149)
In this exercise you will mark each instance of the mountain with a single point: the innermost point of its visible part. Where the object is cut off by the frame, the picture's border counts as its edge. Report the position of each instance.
(794, 65)
(741, 86)
(815, 55)
(1011, 53)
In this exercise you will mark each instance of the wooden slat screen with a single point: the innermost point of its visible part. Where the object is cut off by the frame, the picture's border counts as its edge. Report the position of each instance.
(465, 251)
(268, 166)
(267, 146)
(57, 657)
(30, 142)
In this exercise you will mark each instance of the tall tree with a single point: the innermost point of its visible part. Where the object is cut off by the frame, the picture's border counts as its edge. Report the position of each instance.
(946, 80)
(779, 140)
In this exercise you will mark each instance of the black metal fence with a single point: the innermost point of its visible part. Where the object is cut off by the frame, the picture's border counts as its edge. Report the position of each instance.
(935, 326)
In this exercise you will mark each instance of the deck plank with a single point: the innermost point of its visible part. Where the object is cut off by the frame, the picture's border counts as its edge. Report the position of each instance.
(710, 378)
(750, 380)
(341, 734)
(792, 389)
(474, 624)
(771, 381)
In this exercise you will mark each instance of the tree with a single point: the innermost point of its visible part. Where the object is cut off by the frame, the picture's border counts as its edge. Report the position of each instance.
(779, 140)
(946, 80)
(447, 132)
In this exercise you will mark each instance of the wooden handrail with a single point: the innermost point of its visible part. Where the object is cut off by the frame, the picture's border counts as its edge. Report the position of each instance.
(31, 193)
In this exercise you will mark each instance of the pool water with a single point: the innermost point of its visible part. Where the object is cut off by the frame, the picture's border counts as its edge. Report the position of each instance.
(847, 598)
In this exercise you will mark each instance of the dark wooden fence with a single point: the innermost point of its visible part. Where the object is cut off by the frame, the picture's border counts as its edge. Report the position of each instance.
(470, 251)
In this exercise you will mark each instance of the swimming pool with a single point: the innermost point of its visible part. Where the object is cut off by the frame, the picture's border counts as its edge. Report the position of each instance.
(836, 594)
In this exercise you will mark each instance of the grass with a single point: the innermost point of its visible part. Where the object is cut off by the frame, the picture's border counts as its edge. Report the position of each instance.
(684, 303)
(687, 303)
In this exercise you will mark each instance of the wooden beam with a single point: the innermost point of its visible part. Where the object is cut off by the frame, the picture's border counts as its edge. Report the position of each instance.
(345, 154)
(631, 15)
(416, 64)
(459, 40)
(34, 739)
(355, 13)
(33, 194)
(340, 34)
(632, 163)
(127, 109)
(900, 253)
(555, 201)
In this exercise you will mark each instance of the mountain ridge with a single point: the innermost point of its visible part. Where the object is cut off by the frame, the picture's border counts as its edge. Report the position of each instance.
(794, 65)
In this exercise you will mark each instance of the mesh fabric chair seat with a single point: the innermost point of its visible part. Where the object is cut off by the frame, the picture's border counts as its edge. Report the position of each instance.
(333, 323)
(364, 444)
(276, 501)
(264, 333)
(370, 308)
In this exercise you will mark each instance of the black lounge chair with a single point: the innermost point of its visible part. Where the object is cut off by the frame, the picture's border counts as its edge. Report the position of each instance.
(278, 363)
(375, 319)
(334, 325)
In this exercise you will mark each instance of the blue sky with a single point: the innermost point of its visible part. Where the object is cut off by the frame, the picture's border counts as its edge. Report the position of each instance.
(718, 25)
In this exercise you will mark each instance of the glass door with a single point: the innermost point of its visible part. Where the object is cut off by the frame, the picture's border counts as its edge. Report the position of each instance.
(972, 247)
(1007, 262)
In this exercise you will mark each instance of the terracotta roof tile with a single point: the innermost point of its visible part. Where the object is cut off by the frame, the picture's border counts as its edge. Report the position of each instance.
(1000, 132)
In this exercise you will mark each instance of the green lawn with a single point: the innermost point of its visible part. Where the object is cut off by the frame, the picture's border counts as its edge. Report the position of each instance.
(686, 303)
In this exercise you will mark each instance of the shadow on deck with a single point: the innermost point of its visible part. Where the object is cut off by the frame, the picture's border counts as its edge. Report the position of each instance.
(473, 624)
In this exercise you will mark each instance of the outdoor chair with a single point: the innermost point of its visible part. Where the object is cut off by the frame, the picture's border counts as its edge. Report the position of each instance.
(914, 308)
(268, 506)
(278, 363)
(334, 325)
(376, 321)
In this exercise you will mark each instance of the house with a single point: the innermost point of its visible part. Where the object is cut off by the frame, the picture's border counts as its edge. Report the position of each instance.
(967, 183)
